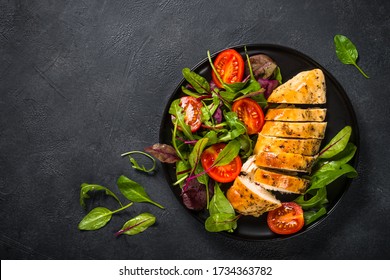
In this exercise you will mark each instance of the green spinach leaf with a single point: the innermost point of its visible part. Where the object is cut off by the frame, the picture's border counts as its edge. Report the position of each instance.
(221, 222)
(222, 215)
(86, 188)
(323, 177)
(219, 203)
(347, 52)
(313, 215)
(318, 199)
(134, 191)
(98, 218)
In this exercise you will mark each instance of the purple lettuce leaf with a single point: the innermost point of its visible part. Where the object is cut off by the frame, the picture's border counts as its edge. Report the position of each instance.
(163, 152)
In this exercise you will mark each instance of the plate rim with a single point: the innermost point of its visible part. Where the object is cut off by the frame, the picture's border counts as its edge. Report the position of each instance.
(339, 88)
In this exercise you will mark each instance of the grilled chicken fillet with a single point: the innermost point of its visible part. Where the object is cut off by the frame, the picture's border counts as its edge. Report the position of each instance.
(307, 87)
(306, 147)
(307, 130)
(248, 198)
(275, 181)
(285, 161)
(292, 114)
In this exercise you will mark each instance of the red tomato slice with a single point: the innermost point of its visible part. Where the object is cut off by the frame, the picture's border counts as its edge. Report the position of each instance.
(287, 219)
(223, 174)
(230, 67)
(192, 112)
(250, 113)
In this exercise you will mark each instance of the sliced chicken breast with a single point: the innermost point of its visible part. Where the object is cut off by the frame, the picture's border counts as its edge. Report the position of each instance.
(285, 161)
(311, 130)
(248, 198)
(306, 147)
(307, 87)
(292, 114)
(275, 181)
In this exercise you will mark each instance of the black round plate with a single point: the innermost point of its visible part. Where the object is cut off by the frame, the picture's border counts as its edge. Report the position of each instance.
(339, 114)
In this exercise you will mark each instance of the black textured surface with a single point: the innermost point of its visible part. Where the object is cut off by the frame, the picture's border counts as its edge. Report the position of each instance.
(83, 81)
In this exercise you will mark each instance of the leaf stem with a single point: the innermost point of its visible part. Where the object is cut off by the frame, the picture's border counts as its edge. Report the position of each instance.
(361, 71)
(156, 204)
(174, 141)
(122, 208)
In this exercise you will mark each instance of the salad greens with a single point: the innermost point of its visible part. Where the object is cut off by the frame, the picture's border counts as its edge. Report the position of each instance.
(137, 224)
(219, 125)
(134, 191)
(136, 165)
(86, 188)
(222, 215)
(331, 164)
(98, 217)
(347, 52)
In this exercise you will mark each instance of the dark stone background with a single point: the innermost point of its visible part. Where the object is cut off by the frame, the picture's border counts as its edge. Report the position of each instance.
(83, 81)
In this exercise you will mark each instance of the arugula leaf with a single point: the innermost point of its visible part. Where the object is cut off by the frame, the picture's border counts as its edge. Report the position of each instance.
(228, 153)
(134, 191)
(312, 216)
(209, 110)
(337, 144)
(135, 164)
(200, 84)
(212, 136)
(346, 52)
(189, 92)
(176, 110)
(137, 224)
(237, 128)
(86, 188)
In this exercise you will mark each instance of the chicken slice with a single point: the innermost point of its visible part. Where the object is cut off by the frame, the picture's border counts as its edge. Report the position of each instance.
(311, 130)
(307, 87)
(275, 181)
(292, 114)
(306, 147)
(248, 198)
(285, 161)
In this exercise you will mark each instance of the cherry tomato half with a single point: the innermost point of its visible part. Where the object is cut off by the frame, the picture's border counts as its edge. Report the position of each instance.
(230, 67)
(286, 219)
(192, 112)
(223, 174)
(250, 113)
